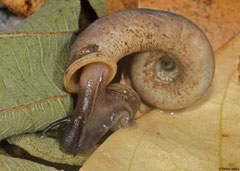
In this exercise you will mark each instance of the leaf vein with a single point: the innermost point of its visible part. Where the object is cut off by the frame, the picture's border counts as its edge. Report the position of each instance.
(33, 103)
(29, 58)
(220, 118)
(42, 63)
(19, 164)
(30, 118)
(36, 33)
(135, 150)
(44, 152)
(4, 163)
(19, 68)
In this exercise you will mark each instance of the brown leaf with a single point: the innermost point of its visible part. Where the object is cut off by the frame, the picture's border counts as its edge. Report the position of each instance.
(219, 19)
(116, 5)
(23, 8)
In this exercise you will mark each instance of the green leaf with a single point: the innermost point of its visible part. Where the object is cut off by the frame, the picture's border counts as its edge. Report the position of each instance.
(46, 148)
(98, 6)
(33, 59)
(10, 163)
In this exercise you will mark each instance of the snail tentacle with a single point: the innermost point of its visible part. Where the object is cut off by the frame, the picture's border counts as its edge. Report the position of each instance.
(58, 122)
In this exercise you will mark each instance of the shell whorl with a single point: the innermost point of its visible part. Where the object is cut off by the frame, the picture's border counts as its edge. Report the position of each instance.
(114, 36)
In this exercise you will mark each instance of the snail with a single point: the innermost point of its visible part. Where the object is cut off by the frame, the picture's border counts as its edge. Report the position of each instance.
(173, 66)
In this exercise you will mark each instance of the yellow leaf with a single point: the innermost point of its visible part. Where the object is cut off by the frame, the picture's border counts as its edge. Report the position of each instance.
(203, 137)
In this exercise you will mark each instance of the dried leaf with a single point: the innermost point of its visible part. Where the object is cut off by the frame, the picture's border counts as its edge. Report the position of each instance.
(204, 137)
(23, 8)
(219, 19)
(33, 59)
(46, 148)
(116, 5)
(10, 163)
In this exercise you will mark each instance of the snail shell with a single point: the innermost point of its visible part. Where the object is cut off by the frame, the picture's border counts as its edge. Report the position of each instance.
(173, 70)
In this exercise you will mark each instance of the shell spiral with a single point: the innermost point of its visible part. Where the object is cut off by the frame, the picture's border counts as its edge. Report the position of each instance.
(174, 65)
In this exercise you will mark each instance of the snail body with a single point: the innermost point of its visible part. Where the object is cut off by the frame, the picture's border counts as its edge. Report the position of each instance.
(173, 67)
